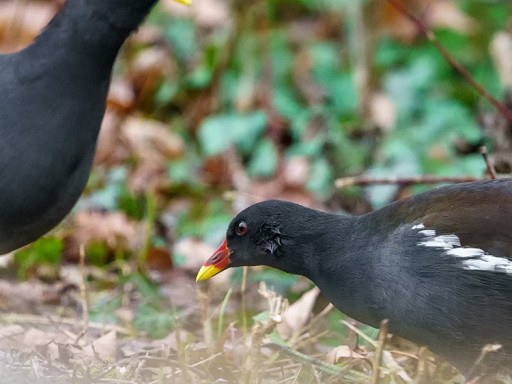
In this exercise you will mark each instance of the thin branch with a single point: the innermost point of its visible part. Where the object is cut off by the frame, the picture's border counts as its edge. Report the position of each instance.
(488, 348)
(383, 334)
(83, 291)
(405, 181)
(360, 333)
(502, 108)
(490, 168)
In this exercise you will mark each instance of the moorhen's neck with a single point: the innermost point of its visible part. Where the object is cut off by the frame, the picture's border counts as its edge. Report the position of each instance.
(335, 252)
(96, 25)
(309, 243)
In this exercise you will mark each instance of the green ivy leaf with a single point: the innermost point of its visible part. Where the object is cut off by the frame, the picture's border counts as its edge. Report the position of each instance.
(218, 133)
(264, 159)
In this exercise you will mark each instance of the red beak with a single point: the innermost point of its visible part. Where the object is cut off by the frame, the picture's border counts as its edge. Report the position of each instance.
(216, 263)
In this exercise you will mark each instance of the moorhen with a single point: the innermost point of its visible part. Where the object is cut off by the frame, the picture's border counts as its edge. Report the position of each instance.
(437, 265)
(53, 101)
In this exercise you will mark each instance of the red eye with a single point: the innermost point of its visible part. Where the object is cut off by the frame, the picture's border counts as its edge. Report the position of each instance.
(241, 228)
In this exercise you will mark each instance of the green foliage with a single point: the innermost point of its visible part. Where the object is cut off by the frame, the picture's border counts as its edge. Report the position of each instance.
(180, 33)
(154, 321)
(147, 289)
(97, 253)
(47, 250)
(264, 159)
(206, 219)
(151, 317)
(218, 133)
(104, 309)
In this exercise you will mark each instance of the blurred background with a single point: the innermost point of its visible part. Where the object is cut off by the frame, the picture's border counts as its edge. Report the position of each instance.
(223, 104)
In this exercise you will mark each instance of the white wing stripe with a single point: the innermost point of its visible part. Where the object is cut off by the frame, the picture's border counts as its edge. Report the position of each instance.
(474, 259)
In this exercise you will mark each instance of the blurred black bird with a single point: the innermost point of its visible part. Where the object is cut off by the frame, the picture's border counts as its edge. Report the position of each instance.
(53, 100)
(437, 265)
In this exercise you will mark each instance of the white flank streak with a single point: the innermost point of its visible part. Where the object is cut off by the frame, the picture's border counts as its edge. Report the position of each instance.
(489, 263)
(474, 259)
(434, 243)
(453, 240)
(464, 253)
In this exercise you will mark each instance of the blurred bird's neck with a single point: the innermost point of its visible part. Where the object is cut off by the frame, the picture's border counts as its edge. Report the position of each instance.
(97, 24)
(315, 246)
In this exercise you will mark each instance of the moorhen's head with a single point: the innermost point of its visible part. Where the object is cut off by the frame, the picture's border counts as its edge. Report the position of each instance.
(275, 233)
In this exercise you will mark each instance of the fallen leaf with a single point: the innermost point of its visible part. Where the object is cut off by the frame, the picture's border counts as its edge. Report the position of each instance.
(446, 14)
(114, 229)
(338, 354)
(298, 314)
(45, 342)
(104, 347)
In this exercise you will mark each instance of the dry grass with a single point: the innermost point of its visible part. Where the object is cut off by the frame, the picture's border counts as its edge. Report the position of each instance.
(37, 349)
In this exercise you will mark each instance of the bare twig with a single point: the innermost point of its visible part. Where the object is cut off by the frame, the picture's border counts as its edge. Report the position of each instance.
(404, 181)
(422, 377)
(490, 168)
(83, 290)
(360, 333)
(243, 290)
(383, 334)
(483, 354)
(277, 306)
(502, 108)
(205, 314)
(19, 318)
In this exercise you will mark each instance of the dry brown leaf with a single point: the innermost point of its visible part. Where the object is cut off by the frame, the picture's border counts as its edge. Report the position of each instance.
(148, 69)
(147, 34)
(121, 96)
(110, 149)
(45, 342)
(341, 353)
(296, 171)
(148, 176)
(446, 14)
(216, 171)
(8, 331)
(115, 229)
(28, 295)
(196, 252)
(298, 314)
(104, 347)
(152, 140)
(433, 13)
(159, 259)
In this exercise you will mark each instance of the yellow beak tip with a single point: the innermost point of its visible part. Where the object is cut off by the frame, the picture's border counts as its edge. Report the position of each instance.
(206, 272)
(185, 2)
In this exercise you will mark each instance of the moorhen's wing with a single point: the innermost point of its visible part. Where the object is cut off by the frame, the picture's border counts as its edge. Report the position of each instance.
(479, 214)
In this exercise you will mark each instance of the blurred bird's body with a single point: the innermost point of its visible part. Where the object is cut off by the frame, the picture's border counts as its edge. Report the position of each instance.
(53, 101)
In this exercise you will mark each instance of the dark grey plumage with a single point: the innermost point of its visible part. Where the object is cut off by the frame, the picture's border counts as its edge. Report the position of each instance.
(52, 104)
(437, 265)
